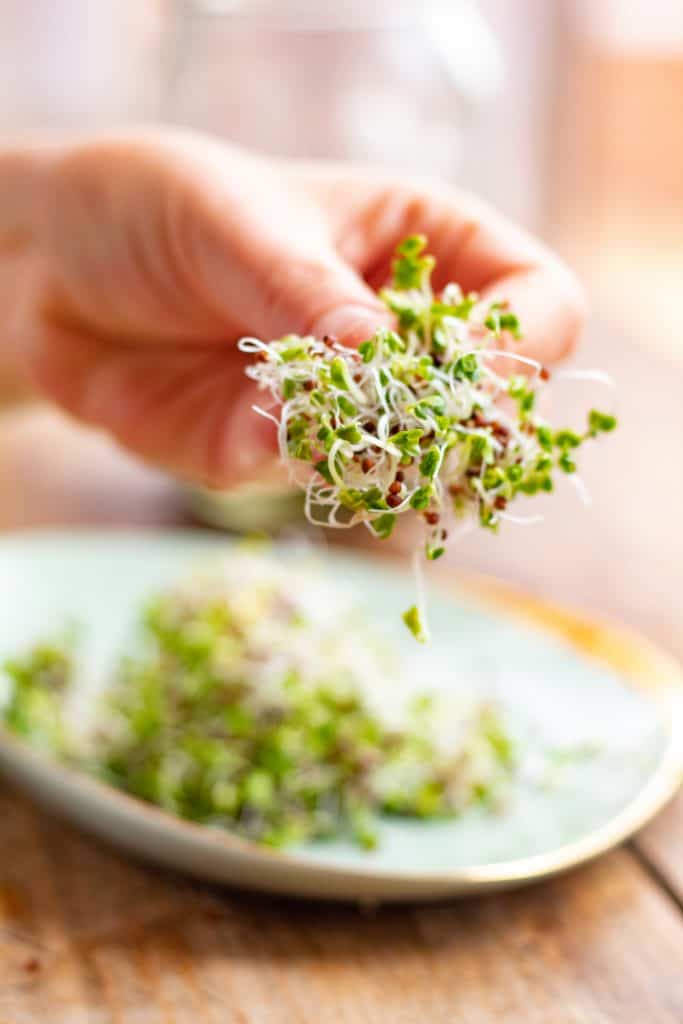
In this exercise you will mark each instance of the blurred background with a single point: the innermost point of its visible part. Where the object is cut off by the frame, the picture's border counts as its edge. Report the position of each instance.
(565, 113)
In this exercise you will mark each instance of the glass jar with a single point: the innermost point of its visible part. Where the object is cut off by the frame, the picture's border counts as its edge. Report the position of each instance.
(396, 82)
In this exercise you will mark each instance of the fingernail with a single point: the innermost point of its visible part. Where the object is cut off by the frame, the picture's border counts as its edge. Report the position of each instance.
(351, 324)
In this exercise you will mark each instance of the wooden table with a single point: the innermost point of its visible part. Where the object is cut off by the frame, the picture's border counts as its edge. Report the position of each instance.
(88, 937)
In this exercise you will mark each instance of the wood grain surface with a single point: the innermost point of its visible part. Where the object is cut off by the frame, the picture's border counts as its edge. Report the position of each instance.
(89, 937)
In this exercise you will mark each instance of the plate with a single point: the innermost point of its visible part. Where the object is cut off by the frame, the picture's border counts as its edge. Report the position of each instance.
(600, 710)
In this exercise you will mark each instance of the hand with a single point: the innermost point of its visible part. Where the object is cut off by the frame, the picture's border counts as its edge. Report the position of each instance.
(151, 255)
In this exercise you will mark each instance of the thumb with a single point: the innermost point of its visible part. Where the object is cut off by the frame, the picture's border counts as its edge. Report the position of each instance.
(263, 255)
(320, 296)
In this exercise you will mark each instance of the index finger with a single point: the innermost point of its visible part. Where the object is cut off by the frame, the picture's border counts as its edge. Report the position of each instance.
(473, 243)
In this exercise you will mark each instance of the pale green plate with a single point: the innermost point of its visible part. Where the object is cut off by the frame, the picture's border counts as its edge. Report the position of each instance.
(605, 697)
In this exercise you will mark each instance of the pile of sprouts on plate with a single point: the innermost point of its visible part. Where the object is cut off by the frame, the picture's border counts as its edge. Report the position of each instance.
(256, 700)
(419, 419)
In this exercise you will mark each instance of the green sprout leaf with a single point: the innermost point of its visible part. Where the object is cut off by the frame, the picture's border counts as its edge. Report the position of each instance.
(408, 442)
(467, 367)
(430, 462)
(324, 470)
(566, 462)
(413, 621)
(545, 437)
(493, 477)
(433, 552)
(293, 353)
(421, 497)
(367, 350)
(410, 268)
(567, 439)
(339, 374)
(600, 422)
(346, 406)
(501, 319)
(384, 525)
(350, 433)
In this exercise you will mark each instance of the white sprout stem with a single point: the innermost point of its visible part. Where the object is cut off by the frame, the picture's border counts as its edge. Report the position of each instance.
(520, 520)
(437, 482)
(500, 353)
(595, 376)
(380, 391)
(495, 378)
(313, 496)
(267, 415)
(580, 486)
(308, 502)
(332, 462)
(251, 345)
(599, 376)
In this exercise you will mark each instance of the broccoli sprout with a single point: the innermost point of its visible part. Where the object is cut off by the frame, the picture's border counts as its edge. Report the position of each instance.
(417, 419)
(244, 706)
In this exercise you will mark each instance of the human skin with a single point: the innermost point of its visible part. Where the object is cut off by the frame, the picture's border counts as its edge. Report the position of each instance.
(131, 265)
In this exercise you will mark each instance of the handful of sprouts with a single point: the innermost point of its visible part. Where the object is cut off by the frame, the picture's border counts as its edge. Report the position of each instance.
(257, 703)
(418, 419)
